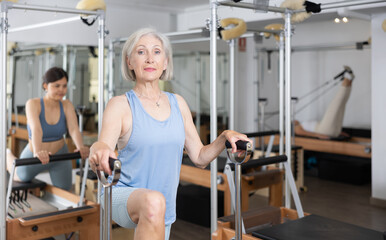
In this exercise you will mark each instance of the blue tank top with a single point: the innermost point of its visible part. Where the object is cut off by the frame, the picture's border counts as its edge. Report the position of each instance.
(153, 155)
(51, 132)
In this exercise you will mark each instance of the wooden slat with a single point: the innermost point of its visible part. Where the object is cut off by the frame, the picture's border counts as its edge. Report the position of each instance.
(225, 229)
(354, 147)
(58, 216)
(200, 177)
(22, 119)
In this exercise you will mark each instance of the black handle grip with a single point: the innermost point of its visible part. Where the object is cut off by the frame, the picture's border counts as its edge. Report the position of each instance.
(111, 163)
(53, 158)
(242, 145)
(262, 162)
(261, 134)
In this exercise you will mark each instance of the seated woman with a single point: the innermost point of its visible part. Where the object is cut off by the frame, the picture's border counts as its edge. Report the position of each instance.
(151, 128)
(49, 118)
(331, 124)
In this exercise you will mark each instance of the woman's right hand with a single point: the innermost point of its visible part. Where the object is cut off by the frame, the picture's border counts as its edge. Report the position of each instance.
(99, 157)
(43, 156)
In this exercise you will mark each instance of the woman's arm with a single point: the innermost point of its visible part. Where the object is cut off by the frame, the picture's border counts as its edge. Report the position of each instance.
(112, 129)
(202, 155)
(33, 109)
(73, 129)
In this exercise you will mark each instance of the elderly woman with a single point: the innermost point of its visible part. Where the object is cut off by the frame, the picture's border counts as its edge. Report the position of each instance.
(150, 128)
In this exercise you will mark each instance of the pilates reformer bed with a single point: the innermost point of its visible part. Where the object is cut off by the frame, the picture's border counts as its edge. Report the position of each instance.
(56, 212)
(273, 179)
(354, 146)
(273, 223)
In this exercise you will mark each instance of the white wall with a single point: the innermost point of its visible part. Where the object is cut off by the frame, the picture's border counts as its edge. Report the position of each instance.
(378, 108)
(120, 22)
(310, 69)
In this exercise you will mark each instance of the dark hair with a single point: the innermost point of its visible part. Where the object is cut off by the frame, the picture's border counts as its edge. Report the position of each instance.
(54, 74)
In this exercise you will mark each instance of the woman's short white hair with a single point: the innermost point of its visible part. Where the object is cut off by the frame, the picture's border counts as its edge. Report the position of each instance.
(129, 47)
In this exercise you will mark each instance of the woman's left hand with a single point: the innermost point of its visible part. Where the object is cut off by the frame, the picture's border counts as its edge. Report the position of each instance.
(84, 152)
(233, 137)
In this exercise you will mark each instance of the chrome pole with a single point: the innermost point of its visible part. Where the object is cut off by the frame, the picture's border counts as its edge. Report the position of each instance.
(213, 112)
(232, 84)
(111, 70)
(101, 43)
(3, 109)
(290, 183)
(287, 103)
(281, 93)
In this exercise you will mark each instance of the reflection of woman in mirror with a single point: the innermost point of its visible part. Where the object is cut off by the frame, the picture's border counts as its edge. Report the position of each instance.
(49, 118)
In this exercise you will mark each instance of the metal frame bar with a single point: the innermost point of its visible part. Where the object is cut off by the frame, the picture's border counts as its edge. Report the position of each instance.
(3, 109)
(53, 9)
(198, 90)
(250, 6)
(44, 24)
(232, 84)
(290, 183)
(5, 6)
(352, 3)
(213, 113)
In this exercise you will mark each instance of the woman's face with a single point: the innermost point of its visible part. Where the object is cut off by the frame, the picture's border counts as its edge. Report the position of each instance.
(148, 59)
(56, 90)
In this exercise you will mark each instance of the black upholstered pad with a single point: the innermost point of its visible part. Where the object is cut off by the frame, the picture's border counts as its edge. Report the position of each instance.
(317, 228)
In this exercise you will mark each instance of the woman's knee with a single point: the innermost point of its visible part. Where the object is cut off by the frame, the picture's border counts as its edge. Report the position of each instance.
(152, 206)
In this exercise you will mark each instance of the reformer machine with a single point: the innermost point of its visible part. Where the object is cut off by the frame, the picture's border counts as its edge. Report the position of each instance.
(56, 212)
(272, 223)
(5, 224)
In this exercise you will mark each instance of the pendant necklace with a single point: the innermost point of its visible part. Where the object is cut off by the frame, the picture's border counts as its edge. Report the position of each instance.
(156, 103)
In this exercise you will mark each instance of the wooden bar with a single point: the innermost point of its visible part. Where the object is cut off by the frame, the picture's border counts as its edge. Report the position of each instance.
(250, 182)
(355, 146)
(256, 217)
(22, 119)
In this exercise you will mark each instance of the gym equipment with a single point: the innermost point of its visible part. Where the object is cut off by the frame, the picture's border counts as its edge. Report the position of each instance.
(272, 223)
(355, 146)
(239, 29)
(322, 89)
(35, 218)
(238, 159)
(115, 166)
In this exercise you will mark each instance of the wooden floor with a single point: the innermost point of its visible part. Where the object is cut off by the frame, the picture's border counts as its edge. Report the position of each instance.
(343, 202)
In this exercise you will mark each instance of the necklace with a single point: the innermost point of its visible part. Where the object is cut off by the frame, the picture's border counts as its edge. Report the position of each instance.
(156, 103)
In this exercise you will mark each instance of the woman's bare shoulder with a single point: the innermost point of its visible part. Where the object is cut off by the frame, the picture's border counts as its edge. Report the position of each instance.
(33, 103)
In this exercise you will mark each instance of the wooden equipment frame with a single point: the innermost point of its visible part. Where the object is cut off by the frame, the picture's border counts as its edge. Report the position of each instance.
(225, 226)
(355, 146)
(249, 182)
(85, 220)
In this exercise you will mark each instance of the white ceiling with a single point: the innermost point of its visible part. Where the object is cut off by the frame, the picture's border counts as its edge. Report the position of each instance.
(169, 5)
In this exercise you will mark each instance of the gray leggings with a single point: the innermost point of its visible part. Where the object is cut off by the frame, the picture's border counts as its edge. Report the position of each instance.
(60, 172)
